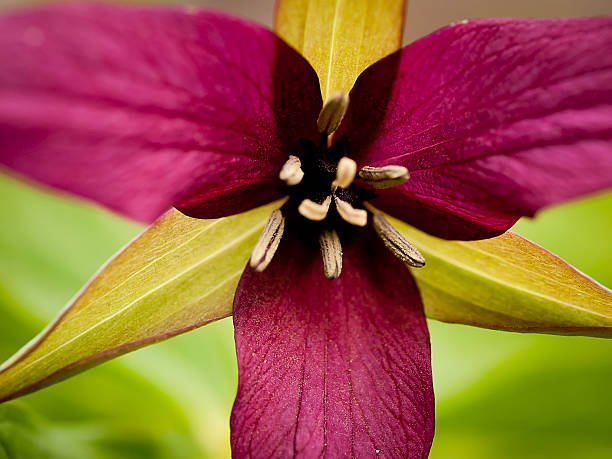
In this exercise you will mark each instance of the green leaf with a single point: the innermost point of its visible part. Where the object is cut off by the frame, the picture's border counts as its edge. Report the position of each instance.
(340, 38)
(578, 232)
(534, 396)
(120, 409)
(26, 434)
(508, 283)
(179, 274)
(116, 382)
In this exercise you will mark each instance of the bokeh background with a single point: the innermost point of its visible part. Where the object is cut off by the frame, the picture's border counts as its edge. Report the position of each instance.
(499, 395)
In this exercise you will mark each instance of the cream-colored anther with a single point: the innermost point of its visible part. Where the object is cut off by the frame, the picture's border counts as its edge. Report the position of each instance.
(395, 242)
(268, 241)
(345, 173)
(332, 112)
(384, 177)
(291, 173)
(331, 250)
(357, 217)
(314, 211)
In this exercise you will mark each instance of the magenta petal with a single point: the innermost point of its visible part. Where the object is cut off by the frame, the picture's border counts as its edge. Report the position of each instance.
(142, 108)
(332, 368)
(493, 118)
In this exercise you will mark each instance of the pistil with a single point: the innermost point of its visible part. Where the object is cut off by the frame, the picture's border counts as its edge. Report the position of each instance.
(291, 172)
(357, 217)
(345, 173)
(314, 211)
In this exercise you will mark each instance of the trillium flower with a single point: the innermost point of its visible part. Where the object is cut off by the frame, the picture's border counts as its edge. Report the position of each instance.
(458, 134)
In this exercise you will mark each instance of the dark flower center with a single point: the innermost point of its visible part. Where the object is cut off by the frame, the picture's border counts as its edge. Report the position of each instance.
(319, 180)
(324, 167)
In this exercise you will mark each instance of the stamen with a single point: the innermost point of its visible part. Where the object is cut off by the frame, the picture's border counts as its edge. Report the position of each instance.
(268, 241)
(357, 217)
(345, 173)
(395, 242)
(331, 249)
(384, 177)
(332, 112)
(314, 211)
(291, 173)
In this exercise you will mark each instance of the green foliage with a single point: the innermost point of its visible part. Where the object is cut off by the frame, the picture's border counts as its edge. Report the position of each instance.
(498, 394)
(179, 274)
(509, 395)
(507, 283)
(173, 402)
(528, 396)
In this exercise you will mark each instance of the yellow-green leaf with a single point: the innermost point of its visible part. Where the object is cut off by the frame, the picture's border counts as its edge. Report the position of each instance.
(340, 38)
(507, 283)
(179, 274)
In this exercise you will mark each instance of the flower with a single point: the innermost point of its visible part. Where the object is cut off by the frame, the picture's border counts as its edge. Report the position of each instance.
(492, 120)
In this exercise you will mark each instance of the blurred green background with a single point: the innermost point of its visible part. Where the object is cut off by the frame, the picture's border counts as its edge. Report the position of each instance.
(498, 394)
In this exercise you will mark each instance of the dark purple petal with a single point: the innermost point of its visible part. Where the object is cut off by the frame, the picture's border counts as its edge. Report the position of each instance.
(493, 118)
(332, 368)
(142, 108)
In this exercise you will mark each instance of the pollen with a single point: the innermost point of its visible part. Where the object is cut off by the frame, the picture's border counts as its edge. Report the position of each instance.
(331, 251)
(268, 241)
(333, 112)
(395, 242)
(384, 177)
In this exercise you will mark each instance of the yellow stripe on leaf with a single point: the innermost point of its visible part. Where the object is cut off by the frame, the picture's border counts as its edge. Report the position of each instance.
(340, 38)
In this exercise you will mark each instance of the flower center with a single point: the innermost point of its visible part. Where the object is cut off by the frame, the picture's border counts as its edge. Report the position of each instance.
(320, 183)
(326, 191)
